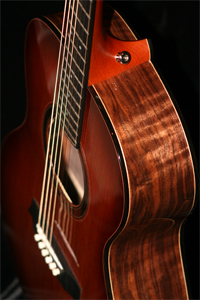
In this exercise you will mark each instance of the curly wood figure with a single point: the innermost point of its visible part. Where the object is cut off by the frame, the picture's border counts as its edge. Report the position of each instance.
(100, 175)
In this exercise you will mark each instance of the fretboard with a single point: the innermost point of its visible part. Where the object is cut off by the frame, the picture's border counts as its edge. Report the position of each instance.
(75, 67)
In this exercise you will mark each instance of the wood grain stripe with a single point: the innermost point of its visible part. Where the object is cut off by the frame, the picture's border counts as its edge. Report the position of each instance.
(161, 181)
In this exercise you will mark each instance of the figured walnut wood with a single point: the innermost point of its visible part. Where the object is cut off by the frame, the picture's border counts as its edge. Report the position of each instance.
(161, 183)
(144, 258)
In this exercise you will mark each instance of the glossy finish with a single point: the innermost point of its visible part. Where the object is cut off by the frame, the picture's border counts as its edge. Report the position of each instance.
(161, 186)
(105, 49)
(140, 180)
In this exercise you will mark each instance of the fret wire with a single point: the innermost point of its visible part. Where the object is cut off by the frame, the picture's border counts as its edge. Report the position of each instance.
(71, 23)
(73, 138)
(76, 71)
(73, 72)
(70, 34)
(89, 13)
(77, 35)
(66, 83)
(71, 107)
(82, 26)
(73, 88)
(83, 9)
(75, 78)
(69, 114)
(64, 123)
(72, 130)
(80, 83)
(75, 101)
(79, 38)
(72, 82)
(87, 35)
(76, 66)
(77, 51)
(81, 51)
(78, 54)
(84, 45)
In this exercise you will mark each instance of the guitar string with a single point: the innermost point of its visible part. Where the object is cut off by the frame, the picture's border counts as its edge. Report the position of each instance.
(69, 225)
(59, 159)
(53, 191)
(53, 149)
(51, 173)
(70, 78)
(65, 114)
(47, 158)
(47, 161)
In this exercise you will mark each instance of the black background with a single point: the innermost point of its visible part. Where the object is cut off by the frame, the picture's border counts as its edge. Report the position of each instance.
(172, 26)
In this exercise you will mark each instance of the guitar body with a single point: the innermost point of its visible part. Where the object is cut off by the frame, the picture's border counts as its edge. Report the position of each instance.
(139, 181)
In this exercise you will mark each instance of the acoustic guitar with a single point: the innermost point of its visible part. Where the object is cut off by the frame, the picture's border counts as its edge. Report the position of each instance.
(100, 175)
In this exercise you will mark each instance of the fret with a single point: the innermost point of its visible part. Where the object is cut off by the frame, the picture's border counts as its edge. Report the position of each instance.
(71, 135)
(75, 109)
(82, 26)
(68, 117)
(73, 79)
(74, 76)
(72, 88)
(67, 125)
(75, 101)
(86, 5)
(81, 36)
(69, 95)
(81, 33)
(77, 46)
(71, 99)
(72, 111)
(69, 109)
(83, 15)
(80, 40)
(84, 11)
(73, 105)
(70, 82)
(78, 52)
(76, 69)
(69, 130)
(79, 65)
(72, 23)
(81, 51)
(75, 89)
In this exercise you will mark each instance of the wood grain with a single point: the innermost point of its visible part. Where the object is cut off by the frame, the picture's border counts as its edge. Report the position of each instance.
(140, 181)
(161, 186)
(105, 49)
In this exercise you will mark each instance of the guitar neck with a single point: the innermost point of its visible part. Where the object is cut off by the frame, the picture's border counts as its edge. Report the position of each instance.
(76, 48)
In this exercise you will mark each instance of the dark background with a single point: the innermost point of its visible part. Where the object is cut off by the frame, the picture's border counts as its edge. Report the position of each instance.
(172, 26)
